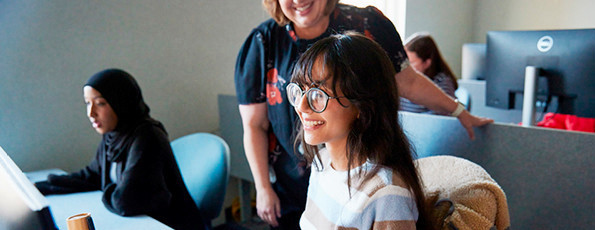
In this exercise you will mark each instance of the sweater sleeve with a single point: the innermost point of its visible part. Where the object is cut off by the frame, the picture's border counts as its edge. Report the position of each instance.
(87, 179)
(393, 208)
(141, 187)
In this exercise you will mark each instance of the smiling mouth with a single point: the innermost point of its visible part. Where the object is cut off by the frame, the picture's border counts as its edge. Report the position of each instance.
(312, 123)
(303, 8)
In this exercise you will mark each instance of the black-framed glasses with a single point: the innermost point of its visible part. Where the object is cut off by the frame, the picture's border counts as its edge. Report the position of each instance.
(317, 98)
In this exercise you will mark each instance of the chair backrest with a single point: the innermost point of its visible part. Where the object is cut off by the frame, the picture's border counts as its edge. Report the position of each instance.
(203, 159)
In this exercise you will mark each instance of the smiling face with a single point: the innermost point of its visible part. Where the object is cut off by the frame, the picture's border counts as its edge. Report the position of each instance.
(100, 113)
(331, 126)
(308, 16)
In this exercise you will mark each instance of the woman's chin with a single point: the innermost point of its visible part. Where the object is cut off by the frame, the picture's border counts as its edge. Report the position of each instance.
(102, 130)
(312, 141)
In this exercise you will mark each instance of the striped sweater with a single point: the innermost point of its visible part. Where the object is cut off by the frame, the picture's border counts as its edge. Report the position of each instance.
(382, 203)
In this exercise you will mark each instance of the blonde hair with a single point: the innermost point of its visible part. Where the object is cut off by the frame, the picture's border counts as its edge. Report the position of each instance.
(274, 9)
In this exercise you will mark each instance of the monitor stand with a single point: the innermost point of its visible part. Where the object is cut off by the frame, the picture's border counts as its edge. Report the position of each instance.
(529, 96)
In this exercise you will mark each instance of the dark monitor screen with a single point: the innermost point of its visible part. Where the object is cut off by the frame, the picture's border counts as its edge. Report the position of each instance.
(22, 207)
(566, 63)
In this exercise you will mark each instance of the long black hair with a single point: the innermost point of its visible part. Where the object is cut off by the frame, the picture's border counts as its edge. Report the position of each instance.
(360, 68)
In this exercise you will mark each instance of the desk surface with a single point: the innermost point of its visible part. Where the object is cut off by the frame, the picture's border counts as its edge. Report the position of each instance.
(64, 206)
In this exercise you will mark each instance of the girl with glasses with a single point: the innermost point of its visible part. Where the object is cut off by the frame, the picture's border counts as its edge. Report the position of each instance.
(362, 173)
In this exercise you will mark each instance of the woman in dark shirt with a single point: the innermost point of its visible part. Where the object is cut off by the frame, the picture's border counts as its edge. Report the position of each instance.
(134, 165)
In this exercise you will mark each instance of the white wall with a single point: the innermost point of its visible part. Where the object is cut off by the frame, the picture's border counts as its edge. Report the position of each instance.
(394, 10)
(449, 22)
(532, 15)
(182, 53)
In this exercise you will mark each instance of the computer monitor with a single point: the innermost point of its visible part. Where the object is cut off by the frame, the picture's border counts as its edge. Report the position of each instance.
(22, 206)
(565, 67)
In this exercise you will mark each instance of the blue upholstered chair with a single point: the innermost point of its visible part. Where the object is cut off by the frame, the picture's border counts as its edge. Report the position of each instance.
(203, 159)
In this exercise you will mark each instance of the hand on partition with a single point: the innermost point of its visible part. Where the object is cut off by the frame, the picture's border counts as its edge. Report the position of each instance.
(468, 121)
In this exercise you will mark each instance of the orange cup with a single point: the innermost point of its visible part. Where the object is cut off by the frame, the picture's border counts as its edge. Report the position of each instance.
(81, 221)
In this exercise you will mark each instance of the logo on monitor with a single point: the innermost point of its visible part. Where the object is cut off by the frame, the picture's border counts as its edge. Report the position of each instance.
(545, 43)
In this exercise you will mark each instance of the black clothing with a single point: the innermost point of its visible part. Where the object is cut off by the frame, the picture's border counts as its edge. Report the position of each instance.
(148, 180)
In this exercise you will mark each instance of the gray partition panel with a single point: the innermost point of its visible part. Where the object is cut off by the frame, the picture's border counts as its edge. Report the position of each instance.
(547, 174)
(232, 132)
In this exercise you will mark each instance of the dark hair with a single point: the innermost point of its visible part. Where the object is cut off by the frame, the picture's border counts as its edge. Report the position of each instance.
(274, 9)
(425, 47)
(362, 71)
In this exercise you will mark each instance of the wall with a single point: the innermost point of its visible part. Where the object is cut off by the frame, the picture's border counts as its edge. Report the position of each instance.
(181, 52)
(532, 15)
(394, 10)
(449, 22)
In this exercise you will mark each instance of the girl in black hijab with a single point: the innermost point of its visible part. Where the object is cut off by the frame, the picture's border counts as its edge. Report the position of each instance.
(134, 165)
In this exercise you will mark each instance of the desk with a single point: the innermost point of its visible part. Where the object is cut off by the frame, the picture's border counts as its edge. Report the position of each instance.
(64, 206)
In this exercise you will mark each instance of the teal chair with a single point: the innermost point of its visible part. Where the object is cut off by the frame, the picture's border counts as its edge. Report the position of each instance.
(203, 159)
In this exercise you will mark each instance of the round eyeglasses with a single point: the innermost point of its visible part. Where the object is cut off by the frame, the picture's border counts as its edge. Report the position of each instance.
(317, 98)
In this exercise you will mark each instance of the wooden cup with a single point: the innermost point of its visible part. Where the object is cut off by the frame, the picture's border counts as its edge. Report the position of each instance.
(81, 221)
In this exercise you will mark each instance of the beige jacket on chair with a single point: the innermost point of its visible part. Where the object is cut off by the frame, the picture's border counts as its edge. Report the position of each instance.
(462, 195)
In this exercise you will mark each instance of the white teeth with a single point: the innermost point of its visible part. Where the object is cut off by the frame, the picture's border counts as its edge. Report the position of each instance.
(313, 123)
(303, 8)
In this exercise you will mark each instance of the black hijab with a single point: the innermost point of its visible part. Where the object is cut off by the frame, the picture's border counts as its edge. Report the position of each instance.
(123, 94)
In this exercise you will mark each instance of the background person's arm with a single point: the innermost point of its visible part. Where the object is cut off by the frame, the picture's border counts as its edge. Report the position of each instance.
(256, 125)
(422, 91)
